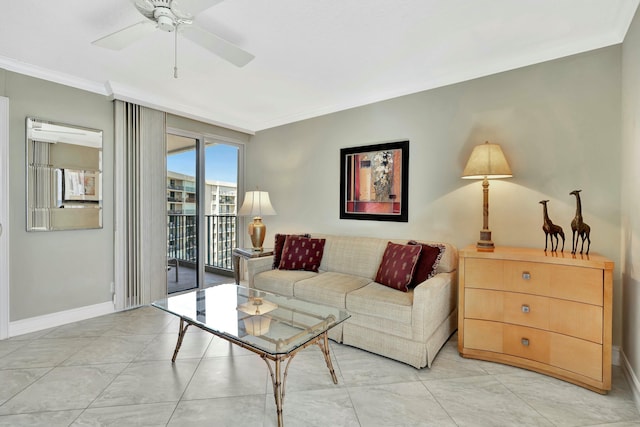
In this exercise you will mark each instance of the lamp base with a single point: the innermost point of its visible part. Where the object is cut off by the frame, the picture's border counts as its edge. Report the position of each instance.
(257, 232)
(485, 244)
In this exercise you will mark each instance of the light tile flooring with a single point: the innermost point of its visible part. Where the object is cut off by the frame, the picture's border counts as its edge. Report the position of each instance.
(116, 371)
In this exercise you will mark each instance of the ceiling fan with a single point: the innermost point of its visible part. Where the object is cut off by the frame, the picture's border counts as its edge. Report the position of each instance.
(175, 16)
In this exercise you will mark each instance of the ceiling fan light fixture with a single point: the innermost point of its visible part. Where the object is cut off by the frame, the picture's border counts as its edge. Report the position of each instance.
(165, 19)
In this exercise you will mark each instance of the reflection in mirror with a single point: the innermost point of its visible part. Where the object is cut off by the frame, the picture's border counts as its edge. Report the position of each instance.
(64, 176)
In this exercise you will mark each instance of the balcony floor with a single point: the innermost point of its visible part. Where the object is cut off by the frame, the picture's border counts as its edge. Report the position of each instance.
(187, 279)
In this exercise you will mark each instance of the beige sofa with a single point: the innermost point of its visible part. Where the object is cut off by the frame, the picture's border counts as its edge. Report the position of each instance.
(410, 327)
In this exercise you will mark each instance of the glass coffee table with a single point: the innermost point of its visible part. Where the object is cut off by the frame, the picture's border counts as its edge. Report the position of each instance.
(273, 326)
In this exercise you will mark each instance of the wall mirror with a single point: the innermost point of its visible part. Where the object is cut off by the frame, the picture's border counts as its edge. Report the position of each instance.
(64, 176)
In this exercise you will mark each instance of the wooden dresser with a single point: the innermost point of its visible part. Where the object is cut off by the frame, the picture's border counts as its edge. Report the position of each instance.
(546, 312)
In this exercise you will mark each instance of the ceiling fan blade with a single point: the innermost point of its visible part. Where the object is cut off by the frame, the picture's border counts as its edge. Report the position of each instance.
(143, 5)
(123, 38)
(221, 47)
(190, 8)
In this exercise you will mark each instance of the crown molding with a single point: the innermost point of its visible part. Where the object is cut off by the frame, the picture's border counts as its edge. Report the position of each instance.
(128, 94)
(31, 70)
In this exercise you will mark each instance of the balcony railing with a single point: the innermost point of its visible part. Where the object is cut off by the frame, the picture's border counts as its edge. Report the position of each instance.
(219, 240)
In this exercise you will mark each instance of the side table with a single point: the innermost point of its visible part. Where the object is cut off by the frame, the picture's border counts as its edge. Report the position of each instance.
(246, 253)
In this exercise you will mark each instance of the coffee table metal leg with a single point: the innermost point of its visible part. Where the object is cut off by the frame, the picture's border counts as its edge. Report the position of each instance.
(278, 379)
(181, 332)
(323, 343)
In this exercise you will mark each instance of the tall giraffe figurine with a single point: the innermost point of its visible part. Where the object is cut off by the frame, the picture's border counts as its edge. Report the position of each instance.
(551, 230)
(579, 228)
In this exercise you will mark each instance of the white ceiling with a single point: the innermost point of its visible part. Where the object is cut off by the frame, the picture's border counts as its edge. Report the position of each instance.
(312, 56)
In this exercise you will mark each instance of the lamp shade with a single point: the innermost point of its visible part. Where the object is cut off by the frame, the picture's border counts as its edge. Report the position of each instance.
(487, 161)
(257, 325)
(256, 203)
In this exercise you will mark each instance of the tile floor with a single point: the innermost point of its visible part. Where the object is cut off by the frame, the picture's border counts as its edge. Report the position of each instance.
(115, 370)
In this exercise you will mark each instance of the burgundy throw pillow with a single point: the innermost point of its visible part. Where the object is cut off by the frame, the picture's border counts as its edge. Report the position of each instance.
(430, 257)
(278, 245)
(301, 253)
(397, 265)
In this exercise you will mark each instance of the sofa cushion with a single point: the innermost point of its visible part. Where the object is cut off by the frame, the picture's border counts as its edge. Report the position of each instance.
(428, 261)
(280, 281)
(301, 253)
(329, 288)
(383, 302)
(278, 245)
(397, 265)
(359, 256)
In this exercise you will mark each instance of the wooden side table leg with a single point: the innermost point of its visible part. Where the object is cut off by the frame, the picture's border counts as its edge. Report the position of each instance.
(236, 268)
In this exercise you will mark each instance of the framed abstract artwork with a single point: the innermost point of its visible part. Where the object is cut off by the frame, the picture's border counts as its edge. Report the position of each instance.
(374, 182)
(80, 185)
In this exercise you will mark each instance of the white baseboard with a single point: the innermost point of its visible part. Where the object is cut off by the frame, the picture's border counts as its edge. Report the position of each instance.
(631, 378)
(39, 323)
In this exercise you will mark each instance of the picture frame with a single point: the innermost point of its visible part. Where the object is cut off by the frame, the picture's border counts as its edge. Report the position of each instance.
(80, 186)
(374, 182)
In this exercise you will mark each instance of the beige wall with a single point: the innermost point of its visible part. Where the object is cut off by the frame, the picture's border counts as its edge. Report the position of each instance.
(558, 123)
(631, 198)
(62, 270)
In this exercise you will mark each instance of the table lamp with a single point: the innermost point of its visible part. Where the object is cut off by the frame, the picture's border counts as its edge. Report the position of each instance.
(486, 162)
(257, 204)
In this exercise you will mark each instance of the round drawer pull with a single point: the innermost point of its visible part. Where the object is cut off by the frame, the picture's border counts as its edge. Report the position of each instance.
(525, 308)
(525, 342)
(526, 275)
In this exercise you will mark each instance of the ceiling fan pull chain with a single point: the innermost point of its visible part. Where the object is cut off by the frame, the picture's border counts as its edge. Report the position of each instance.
(175, 67)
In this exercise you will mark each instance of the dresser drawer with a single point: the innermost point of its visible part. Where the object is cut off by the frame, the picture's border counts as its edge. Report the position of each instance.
(484, 304)
(528, 343)
(575, 319)
(527, 277)
(484, 273)
(577, 284)
(509, 307)
(564, 352)
(526, 310)
(519, 341)
(483, 335)
(576, 355)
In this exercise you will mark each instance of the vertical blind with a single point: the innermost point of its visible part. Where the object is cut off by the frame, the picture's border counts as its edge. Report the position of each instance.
(140, 205)
(41, 182)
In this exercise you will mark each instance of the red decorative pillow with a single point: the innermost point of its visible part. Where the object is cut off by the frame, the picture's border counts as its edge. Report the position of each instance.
(279, 245)
(301, 253)
(397, 265)
(430, 257)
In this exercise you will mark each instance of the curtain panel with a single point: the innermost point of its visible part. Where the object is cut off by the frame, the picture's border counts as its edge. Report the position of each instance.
(140, 205)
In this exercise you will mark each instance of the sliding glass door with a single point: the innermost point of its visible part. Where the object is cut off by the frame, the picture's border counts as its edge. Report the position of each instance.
(202, 180)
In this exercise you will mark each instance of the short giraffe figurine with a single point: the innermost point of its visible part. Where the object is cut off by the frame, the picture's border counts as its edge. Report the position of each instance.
(578, 227)
(551, 230)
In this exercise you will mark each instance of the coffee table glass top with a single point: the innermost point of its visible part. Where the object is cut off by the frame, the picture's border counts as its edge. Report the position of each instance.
(272, 323)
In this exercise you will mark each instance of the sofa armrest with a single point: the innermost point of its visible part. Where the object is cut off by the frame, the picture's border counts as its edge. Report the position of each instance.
(433, 301)
(258, 265)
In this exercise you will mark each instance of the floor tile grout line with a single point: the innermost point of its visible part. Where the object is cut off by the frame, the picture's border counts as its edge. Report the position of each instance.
(128, 364)
(506, 386)
(180, 399)
(49, 369)
(435, 398)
